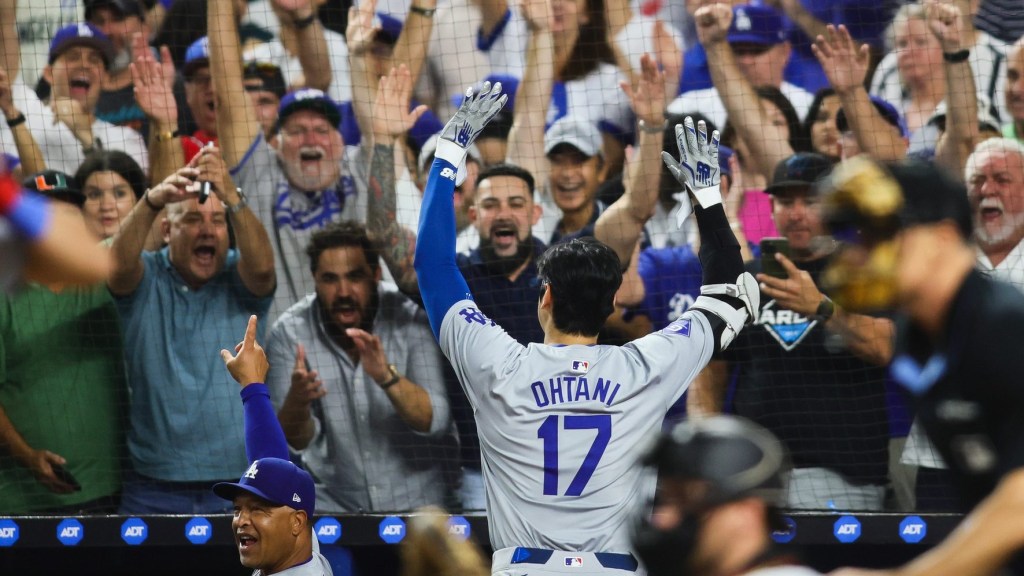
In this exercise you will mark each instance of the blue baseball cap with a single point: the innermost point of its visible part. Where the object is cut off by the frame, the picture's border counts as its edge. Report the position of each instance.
(197, 56)
(390, 27)
(724, 154)
(752, 24)
(81, 34)
(308, 99)
(888, 111)
(277, 481)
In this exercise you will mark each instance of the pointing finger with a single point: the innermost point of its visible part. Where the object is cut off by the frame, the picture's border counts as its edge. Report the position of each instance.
(250, 333)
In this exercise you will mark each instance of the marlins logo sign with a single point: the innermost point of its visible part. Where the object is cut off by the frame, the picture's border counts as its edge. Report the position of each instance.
(787, 327)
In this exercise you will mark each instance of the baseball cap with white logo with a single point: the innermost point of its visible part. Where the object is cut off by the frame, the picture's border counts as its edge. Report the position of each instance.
(277, 481)
(81, 34)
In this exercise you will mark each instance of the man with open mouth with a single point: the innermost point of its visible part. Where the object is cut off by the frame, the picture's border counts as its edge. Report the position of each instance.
(65, 127)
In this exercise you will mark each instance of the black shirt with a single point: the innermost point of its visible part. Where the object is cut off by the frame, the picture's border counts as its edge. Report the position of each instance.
(800, 381)
(969, 384)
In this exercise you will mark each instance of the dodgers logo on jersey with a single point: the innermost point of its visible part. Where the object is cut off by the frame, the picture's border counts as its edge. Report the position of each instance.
(787, 327)
(471, 314)
(580, 366)
(680, 327)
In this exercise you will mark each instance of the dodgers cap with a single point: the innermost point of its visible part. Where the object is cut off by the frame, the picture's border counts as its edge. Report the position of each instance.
(81, 34)
(755, 24)
(308, 99)
(275, 480)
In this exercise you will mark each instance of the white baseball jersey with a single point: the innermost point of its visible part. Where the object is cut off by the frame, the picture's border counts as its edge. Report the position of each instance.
(562, 427)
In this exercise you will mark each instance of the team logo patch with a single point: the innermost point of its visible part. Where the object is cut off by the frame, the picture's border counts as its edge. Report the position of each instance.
(574, 562)
(787, 327)
(251, 472)
(680, 327)
(580, 366)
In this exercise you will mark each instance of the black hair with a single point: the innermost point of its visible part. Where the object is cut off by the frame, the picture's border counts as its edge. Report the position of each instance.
(583, 274)
(342, 235)
(591, 48)
(797, 141)
(504, 169)
(184, 23)
(113, 161)
(812, 114)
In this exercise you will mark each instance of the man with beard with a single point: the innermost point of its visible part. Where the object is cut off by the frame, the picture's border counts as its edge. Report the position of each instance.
(357, 381)
(295, 179)
(995, 181)
(720, 489)
(66, 128)
(185, 424)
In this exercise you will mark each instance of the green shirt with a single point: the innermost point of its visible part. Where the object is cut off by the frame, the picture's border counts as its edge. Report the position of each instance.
(1010, 131)
(62, 385)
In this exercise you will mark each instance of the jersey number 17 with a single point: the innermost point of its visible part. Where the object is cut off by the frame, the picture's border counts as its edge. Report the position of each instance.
(548, 432)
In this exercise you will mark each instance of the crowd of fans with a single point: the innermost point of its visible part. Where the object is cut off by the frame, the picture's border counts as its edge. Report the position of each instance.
(269, 157)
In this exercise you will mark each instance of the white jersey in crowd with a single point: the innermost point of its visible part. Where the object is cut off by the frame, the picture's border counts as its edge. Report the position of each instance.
(61, 150)
(562, 427)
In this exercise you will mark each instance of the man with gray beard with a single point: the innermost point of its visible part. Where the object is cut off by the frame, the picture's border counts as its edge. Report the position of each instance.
(995, 183)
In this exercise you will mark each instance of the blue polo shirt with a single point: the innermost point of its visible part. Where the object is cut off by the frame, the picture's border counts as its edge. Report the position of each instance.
(186, 421)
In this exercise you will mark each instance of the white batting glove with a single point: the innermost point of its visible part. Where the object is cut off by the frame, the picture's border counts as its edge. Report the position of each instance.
(477, 109)
(697, 169)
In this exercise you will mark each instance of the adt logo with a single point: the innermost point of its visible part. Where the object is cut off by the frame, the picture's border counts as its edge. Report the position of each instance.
(8, 533)
(847, 529)
(785, 536)
(392, 529)
(458, 527)
(913, 529)
(70, 532)
(134, 531)
(328, 530)
(198, 530)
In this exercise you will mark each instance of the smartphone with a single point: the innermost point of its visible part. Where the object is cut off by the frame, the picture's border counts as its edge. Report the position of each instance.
(64, 476)
(769, 248)
(204, 188)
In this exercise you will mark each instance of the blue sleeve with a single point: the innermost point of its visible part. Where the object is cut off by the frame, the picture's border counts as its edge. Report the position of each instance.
(441, 282)
(263, 435)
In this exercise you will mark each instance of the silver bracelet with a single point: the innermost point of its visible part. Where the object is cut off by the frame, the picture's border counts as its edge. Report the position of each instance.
(652, 129)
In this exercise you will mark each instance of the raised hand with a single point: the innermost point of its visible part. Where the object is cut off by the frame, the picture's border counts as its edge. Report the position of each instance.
(362, 26)
(249, 364)
(945, 22)
(154, 83)
(391, 115)
(845, 64)
(537, 14)
(371, 354)
(212, 168)
(697, 169)
(475, 112)
(306, 384)
(179, 186)
(669, 55)
(72, 114)
(713, 23)
(648, 99)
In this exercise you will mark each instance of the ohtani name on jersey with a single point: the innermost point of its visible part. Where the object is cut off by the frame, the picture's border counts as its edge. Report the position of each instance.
(563, 389)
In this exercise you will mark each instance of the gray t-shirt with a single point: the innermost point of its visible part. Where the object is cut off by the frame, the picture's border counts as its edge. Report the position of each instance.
(292, 216)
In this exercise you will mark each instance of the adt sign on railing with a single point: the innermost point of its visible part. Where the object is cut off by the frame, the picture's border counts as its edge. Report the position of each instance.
(785, 536)
(392, 529)
(70, 532)
(459, 527)
(8, 533)
(913, 529)
(328, 530)
(198, 530)
(134, 531)
(847, 529)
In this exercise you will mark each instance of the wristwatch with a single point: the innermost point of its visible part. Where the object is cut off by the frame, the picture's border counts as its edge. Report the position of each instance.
(241, 204)
(395, 377)
(826, 308)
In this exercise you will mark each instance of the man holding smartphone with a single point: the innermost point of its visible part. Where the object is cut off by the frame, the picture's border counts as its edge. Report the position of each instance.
(805, 363)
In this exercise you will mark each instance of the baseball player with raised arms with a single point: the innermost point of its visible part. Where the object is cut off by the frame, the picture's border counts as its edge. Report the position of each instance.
(560, 422)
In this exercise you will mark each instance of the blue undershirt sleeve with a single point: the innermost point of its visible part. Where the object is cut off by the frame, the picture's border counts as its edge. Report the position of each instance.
(440, 280)
(263, 435)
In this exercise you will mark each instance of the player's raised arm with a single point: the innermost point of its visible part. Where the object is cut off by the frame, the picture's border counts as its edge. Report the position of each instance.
(729, 297)
(263, 435)
(441, 282)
